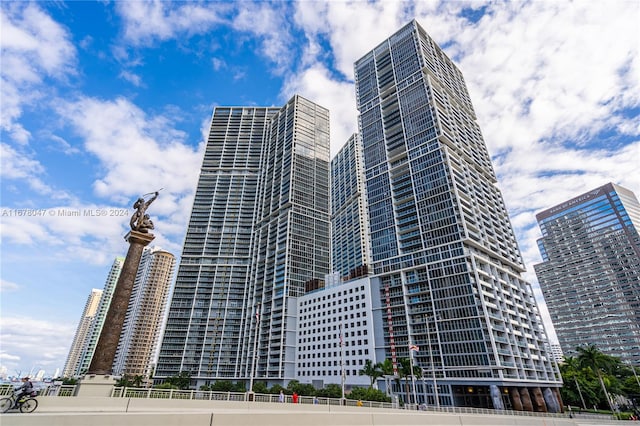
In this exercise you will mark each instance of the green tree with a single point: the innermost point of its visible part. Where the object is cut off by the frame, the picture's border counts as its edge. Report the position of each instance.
(137, 380)
(300, 388)
(590, 357)
(331, 390)
(368, 394)
(165, 385)
(572, 377)
(222, 386)
(260, 387)
(180, 381)
(124, 381)
(69, 381)
(386, 367)
(405, 372)
(372, 370)
(275, 389)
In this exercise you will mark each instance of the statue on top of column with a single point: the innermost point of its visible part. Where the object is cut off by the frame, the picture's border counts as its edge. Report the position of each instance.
(140, 221)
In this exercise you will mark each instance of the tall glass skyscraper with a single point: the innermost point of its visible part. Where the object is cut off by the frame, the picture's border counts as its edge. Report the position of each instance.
(291, 235)
(259, 230)
(350, 248)
(206, 313)
(442, 243)
(590, 274)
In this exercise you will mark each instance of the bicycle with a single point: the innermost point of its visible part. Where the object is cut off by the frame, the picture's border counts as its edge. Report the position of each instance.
(26, 404)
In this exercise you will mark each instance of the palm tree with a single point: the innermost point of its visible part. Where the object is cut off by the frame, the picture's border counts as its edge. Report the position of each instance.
(572, 367)
(137, 380)
(590, 357)
(372, 370)
(404, 370)
(386, 367)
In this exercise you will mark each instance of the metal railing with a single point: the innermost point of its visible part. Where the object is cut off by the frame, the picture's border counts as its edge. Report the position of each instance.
(126, 392)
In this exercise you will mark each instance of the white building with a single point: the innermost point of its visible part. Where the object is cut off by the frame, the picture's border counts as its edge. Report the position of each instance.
(335, 333)
(80, 338)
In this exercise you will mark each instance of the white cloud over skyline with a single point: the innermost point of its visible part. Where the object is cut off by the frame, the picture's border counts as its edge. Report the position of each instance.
(555, 85)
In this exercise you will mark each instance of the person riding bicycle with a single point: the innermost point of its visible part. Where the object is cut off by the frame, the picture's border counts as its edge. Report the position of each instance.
(25, 390)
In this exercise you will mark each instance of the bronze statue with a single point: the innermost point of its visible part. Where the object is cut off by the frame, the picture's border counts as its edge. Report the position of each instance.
(140, 221)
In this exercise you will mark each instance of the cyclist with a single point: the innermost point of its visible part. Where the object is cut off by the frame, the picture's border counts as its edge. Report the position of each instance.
(25, 390)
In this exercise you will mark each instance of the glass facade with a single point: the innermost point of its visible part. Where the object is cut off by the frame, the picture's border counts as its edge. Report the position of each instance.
(207, 309)
(590, 274)
(350, 249)
(441, 240)
(258, 232)
(291, 232)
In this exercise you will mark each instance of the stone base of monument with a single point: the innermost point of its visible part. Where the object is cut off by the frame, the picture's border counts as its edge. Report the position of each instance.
(96, 385)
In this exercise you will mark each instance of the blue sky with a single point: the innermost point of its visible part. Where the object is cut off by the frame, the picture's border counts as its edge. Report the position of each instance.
(104, 101)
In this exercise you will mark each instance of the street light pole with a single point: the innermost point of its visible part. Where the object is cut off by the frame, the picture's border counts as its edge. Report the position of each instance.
(433, 371)
(342, 373)
(413, 377)
(255, 349)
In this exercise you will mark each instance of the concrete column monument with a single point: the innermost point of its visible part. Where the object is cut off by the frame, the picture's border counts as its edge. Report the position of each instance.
(99, 380)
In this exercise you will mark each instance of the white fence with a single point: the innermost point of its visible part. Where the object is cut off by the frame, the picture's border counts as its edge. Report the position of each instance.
(126, 392)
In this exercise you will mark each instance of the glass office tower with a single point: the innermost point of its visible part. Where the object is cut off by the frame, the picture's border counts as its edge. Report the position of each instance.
(442, 243)
(350, 246)
(258, 232)
(291, 234)
(203, 334)
(590, 274)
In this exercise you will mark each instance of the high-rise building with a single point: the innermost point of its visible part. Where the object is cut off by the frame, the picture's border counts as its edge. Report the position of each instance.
(95, 329)
(442, 243)
(350, 248)
(590, 271)
(258, 233)
(556, 351)
(88, 314)
(207, 310)
(292, 232)
(140, 336)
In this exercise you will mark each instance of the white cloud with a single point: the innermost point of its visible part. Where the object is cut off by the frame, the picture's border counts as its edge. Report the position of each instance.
(8, 286)
(267, 22)
(142, 154)
(339, 97)
(18, 166)
(146, 22)
(40, 345)
(33, 47)
(131, 78)
(546, 79)
(353, 28)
